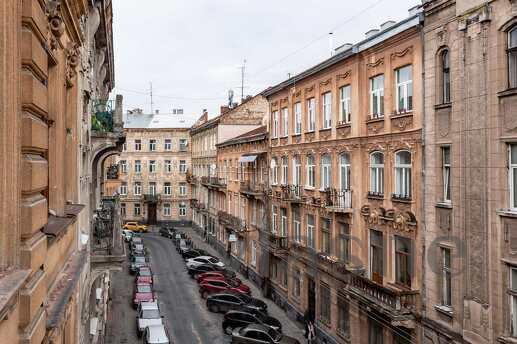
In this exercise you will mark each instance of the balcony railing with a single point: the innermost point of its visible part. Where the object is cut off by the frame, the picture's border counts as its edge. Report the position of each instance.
(252, 188)
(292, 193)
(213, 181)
(151, 198)
(102, 117)
(279, 244)
(338, 200)
(231, 221)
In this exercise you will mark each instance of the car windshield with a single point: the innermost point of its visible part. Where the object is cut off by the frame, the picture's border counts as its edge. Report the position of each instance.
(145, 272)
(245, 298)
(150, 314)
(274, 334)
(143, 288)
(139, 259)
(213, 260)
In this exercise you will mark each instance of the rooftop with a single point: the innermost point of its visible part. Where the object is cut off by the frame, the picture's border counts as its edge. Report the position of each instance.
(259, 133)
(159, 121)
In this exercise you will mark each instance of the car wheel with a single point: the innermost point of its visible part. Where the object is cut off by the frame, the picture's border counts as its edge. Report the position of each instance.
(228, 330)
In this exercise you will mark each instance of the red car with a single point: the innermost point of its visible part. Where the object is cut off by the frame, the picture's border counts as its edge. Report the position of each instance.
(143, 293)
(144, 276)
(224, 275)
(209, 286)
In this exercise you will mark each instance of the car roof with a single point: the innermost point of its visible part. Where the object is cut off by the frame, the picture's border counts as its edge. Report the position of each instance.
(156, 333)
(257, 327)
(149, 305)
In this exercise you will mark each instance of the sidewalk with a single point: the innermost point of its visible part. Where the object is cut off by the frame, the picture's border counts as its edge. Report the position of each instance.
(289, 327)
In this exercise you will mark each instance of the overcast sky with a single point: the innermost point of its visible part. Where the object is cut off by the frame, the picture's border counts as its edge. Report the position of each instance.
(192, 50)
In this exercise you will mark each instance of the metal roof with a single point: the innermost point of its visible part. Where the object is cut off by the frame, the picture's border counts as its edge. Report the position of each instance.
(159, 121)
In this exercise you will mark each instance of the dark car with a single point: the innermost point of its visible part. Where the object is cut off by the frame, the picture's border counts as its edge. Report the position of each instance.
(166, 232)
(225, 302)
(202, 268)
(259, 334)
(137, 262)
(234, 319)
(193, 253)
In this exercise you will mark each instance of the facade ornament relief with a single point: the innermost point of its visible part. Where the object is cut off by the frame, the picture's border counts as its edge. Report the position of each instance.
(72, 60)
(344, 75)
(56, 24)
(401, 53)
(309, 88)
(375, 63)
(325, 82)
(442, 36)
(284, 100)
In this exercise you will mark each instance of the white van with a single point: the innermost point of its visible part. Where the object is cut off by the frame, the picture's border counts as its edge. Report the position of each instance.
(148, 314)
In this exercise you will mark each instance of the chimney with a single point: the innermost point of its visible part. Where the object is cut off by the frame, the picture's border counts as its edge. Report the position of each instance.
(157, 112)
(371, 33)
(387, 24)
(205, 112)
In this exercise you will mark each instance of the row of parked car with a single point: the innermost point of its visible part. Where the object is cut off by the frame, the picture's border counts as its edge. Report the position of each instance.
(246, 318)
(149, 321)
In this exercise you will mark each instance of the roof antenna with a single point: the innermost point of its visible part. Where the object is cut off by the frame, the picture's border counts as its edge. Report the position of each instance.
(152, 98)
(243, 67)
(331, 44)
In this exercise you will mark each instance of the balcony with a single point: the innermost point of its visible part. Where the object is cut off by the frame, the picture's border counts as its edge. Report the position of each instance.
(231, 221)
(253, 189)
(191, 178)
(279, 244)
(151, 198)
(292, 193)
(102, 117)
(213, 182)
(196, 204)
(107, 247)
(339, 201)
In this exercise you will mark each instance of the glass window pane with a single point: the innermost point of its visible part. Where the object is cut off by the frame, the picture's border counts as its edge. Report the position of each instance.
(513, 154)
(512, 38)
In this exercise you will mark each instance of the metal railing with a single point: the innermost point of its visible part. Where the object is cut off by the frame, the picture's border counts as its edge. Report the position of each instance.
(339, 199)
(291, 192)
(252, 187)
(231, 220)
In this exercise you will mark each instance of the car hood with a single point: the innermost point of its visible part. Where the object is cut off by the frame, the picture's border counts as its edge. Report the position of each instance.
(258, 303)
(143, 296)
(143, 323)
(220, 264)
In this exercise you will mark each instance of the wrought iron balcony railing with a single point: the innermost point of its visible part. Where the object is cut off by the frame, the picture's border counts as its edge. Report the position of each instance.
(231, 220)
(151, 198)
(292, 193)
(252, 188)
(338, 200)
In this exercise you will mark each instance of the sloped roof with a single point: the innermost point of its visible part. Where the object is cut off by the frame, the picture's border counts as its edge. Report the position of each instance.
(256, 134)
(159, 121)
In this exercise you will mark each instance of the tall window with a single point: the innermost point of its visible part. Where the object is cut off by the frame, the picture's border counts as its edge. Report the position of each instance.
(345, 105)
(183, 166)
(512, 57)
(298, 118)
(446, 173)
(152, 145)
(311, 115)
(297, 171)
(403, 174)
(343, 315)
(182, 209)
(283, 223)
(123, 188)
(152, 166)
(166, 209)
(123, 209)
(285, 122)
(513, 175)
(513, 300)
(344, 171)
(274, 220)
(138, 145)
(325, 303)
(167, 189)
(297, 226)
(183, 145)
(326, 173)
(138, 166)
(446, 76)
(137, 189)
(152, 188)
(310, 231)
(285, 170)
(137, 209)
(446, 277)
(274, 129)
(168, 166)
(404, 89)
(311, 172)
(123, 166)
(344, 242)
(253, 249)
(183, 189)
(403, 261)
(377, 173)
(327, 110)
(274, 172)
(376, 256)
(167, 144)
(325, 235)
(377, 96)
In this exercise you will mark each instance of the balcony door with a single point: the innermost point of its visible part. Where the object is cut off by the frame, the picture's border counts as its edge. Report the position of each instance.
(376, 256)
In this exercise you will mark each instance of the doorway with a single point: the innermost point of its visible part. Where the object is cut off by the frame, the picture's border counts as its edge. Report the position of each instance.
(311, 299)
(151, 213)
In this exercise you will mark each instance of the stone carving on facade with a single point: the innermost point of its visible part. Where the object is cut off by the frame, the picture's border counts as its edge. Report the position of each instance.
(402, 122)
(443, 123)
(344, 75)
(375, 126)
(375, 63)
(400, 221)
(325, 82)
(72, 60)
(284, 100)
(442, 36)
(401, 53)
(309, 88)
(56, 24)
(275, 103)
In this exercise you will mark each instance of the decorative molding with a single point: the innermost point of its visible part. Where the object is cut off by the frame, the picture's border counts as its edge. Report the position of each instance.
(442, 36)
(344, 75)
(284, 100)
(309, 88)
(55, 19)
(325, 82)
(402, 53)
(375, 63)
(72, 60)
(402, 122)
(275, 103)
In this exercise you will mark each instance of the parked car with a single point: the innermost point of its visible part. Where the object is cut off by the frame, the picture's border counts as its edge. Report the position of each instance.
(142, 293)
(127, 234)
(166, 232)
(182, 246)
(135, 227)
(201, 260)
(137, 262)
(195, 270)
(144, 275)
(259, 334)
(193, 253)
(156, 334)
(222, 275)
(148, 314)
(210, 286)
(234, 319)
(136, 238)
(227, 301)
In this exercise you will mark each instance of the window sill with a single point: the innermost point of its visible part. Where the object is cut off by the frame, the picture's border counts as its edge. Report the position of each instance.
(446, 310)
(372, 119)
(374, 195)
(399, 199)
(344, 125)
(507, 93)
(309, 132)
(297, 134)
(512, 213)
(325, 129)
(401, 114)
(443, 106)
(444, 205)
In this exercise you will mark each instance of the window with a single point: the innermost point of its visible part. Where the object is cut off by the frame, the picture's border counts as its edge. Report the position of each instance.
(183, 209)
(124, 147)
(446, 277)
(297, 118)
(446, 173)
(274, 172)
(285, 170)
(152, 188)
(123, 166)
(274, 129)
(123, 188)
(376, 256)
(311, 116)
(377, 96)
(136, 209)
(344, 171)
(137, 189)
(285, 122)
(446, 77)
(183, 166)
(168, 166)
(403, 174)
(123, 209)
(297, 277)
(513, 300)
(297, 226)
(297, 171)
(152, 166)
(283, 224)
(377, 173)
(274, 230)
(167, 188)
(167, 144)
(253, 250)
(343, 315)
(375, 335)
(326, 173)
(311, 172)
(344, 242)
(404, 89)
(166, 209)
(325, 235)
(183, 189)
(327, 110)
(138, 145)
(403, 261)
(310, 231)
(138, 166)
(345, 105)
(513, 175)
(152, 145)
(183, 145)
(325, 303)
(512, 57)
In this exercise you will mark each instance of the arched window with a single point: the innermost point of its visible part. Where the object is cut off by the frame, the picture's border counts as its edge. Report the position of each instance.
(512, 57)
(297, 171)
(326, 171)
(403, 174)
(311, 172)
(274, 172)
(446, 76)
(377, 173)
(344, 171)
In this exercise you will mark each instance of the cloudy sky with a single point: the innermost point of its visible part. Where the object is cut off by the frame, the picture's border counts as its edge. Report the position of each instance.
(192, 50)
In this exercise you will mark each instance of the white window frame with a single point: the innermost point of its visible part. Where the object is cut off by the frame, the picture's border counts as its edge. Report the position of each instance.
(123, 166)
(274, 171)
(283, 222)
(123, 189)
(167, 188)
(274, 219)
(285, 122)
(402, 90)
(183, 189)
(168, 166)
(446, 277)
(167, 144)
(166, 209)
(152, 166)
(344, 171)
(285, 170)
(377, 93)
(311, 242)
(377, 174)
(152, 188)
(446, 174)
(311, 172)
(345, 104)
(297, 170)
(512, 176)
(326, 172)
(138, 166)
(326, 100)
(297, 227)
(404, 170)
(138, 145)
(183, 144)
(152, 145)
(137, 189)
(182, 209)
(182, 166)
(311, 114)
(139, 207)
(297, 118)
(274, 129)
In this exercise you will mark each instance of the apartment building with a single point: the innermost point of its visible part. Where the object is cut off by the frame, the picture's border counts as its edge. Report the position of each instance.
(345, 236)
(470, 198)
(152, 168)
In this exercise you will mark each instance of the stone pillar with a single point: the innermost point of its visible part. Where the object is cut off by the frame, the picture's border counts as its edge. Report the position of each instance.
(117, 115)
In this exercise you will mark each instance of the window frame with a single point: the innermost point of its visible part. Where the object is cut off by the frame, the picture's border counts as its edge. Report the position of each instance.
(377, 93)
(274, 171)
(311, 242)
(135, 207)
(311, 172)
(123, 166)
(167, 144)
(284, 162)
(446, 277)
(138, 163)
(446, 76)
(345, 103)
(405, 170)
(512, 177)
(123, 189)
(297, 118)
(167, 188)
(403, 258)
(344, 171)
(297, 170)
(512, 52)
(344, 242)
(137, 189)
(138, 145)
(152, 166)
(326, 172)
(182, 209)
(166, 209)
(152, 145)
(311, 114)
(182, 188)
(275, 123)
(326, 235)
(446, 174)
(376, 276)
(297, 226)
(182, 166)
(325, 303)
(406, 86)
(377, 178)
(326, 109)
(285, 121)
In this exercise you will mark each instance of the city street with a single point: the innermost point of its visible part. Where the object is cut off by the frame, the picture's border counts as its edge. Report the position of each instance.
(186, 316)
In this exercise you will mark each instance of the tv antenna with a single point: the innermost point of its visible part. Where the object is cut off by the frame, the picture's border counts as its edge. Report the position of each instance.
(151, 93)
(243, 68)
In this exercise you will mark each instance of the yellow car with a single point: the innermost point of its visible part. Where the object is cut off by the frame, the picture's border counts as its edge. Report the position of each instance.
(135, 227)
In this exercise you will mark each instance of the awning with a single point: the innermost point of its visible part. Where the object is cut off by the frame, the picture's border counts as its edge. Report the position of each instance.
(247, 158)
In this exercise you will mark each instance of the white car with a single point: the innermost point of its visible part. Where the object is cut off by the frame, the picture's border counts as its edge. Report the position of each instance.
(201, 260)
(127, 235)
(156, 334)
(148, 315)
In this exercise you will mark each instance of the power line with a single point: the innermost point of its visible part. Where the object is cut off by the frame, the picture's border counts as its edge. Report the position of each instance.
(167, 96)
